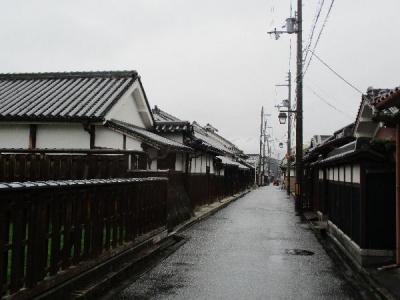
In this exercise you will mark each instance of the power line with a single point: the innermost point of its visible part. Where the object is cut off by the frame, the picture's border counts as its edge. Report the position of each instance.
(328, 103)
(334, 72)
(319, 35)
(318, 14)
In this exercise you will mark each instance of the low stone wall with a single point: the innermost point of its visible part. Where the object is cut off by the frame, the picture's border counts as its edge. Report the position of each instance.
(362, 257)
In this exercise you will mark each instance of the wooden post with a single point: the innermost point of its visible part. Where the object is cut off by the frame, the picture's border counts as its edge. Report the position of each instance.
(398, 194)
(299, 109)
(32, 136)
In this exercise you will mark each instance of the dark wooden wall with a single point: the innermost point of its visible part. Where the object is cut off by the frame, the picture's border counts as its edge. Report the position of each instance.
(33, 167)
(47, 228)
(364, 211)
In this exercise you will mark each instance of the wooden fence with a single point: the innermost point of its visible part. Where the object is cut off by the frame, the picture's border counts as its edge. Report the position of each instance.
(48, 227)
(73, 164)
(187, 191)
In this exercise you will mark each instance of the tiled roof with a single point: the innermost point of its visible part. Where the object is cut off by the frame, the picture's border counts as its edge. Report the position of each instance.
(61, 96)
(360, 146)
(339, 138)
(228, 161)
(172, 127)
(385, 95)
(166, 123)
(162, 116)
(147, 136)
(203, 137)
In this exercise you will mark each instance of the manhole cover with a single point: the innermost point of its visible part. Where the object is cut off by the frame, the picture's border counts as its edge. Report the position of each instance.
(298, 252)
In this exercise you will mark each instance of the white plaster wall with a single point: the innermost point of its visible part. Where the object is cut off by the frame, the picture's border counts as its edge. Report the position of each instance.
(356, 173)
(204, 163)
(62, 136)
(14, 136)
(341, 173)
(132, 108)
(347, 173)
(108, 138)
(330, 174)
(212, 170)
(177, 137)
(335, 173)
(180, 161)
(152, 153)
(153, 165)
(199, 164)
(321, 174)
(133, 144)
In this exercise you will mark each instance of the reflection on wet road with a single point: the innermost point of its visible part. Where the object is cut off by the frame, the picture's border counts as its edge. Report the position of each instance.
(253, 249)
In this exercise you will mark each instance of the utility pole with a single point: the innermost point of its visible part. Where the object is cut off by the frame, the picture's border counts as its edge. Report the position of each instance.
(269, 160)
(289, 134)
(263, 158)
(299, 108)
(295, 25)
(289, 141)
(261, 143)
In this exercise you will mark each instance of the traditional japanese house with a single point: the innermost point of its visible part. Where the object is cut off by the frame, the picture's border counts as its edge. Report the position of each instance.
(215, 168)
(81, 113)
(386, 111)
(349, 181)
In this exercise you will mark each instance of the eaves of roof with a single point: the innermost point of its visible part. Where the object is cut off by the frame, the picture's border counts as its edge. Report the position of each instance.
(202, 146)
(146, 136)
(325, 148)
(349, 156)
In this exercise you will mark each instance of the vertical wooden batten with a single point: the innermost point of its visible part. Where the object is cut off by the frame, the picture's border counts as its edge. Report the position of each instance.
(32, 136)
(92, 132)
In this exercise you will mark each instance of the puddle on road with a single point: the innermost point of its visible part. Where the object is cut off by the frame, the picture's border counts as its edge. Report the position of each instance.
(299, 252)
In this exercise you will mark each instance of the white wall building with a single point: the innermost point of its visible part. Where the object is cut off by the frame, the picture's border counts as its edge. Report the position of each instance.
(79, 110)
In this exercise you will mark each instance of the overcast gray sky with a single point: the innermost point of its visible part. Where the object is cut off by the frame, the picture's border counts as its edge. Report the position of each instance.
(209, 60)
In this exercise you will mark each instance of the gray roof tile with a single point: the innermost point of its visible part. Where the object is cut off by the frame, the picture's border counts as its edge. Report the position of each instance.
(61, 96)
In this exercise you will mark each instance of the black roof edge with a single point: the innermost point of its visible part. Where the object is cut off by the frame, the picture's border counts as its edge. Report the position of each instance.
(55, 75)
(57, 119)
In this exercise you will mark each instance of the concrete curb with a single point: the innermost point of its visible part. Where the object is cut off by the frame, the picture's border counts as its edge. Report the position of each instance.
(350, 263)
(224, 203)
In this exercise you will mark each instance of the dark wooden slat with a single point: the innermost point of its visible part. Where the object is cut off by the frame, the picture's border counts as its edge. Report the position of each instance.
(4, 236)
(55, 257)
(67, 232)
(18, 234)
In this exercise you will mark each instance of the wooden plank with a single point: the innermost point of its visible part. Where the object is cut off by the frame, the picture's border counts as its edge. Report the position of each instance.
(55, 253)
(67, 232)
(4, 236)
(114, 202)
(18, 235)
(78, 228)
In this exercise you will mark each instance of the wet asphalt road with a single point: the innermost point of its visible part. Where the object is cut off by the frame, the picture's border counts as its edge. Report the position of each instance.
(241, 252)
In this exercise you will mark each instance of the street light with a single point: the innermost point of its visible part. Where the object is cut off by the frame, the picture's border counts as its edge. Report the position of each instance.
(282, 117)
(295, 25)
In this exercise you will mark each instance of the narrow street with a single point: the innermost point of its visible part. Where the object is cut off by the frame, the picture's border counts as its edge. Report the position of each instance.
(246, 251)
